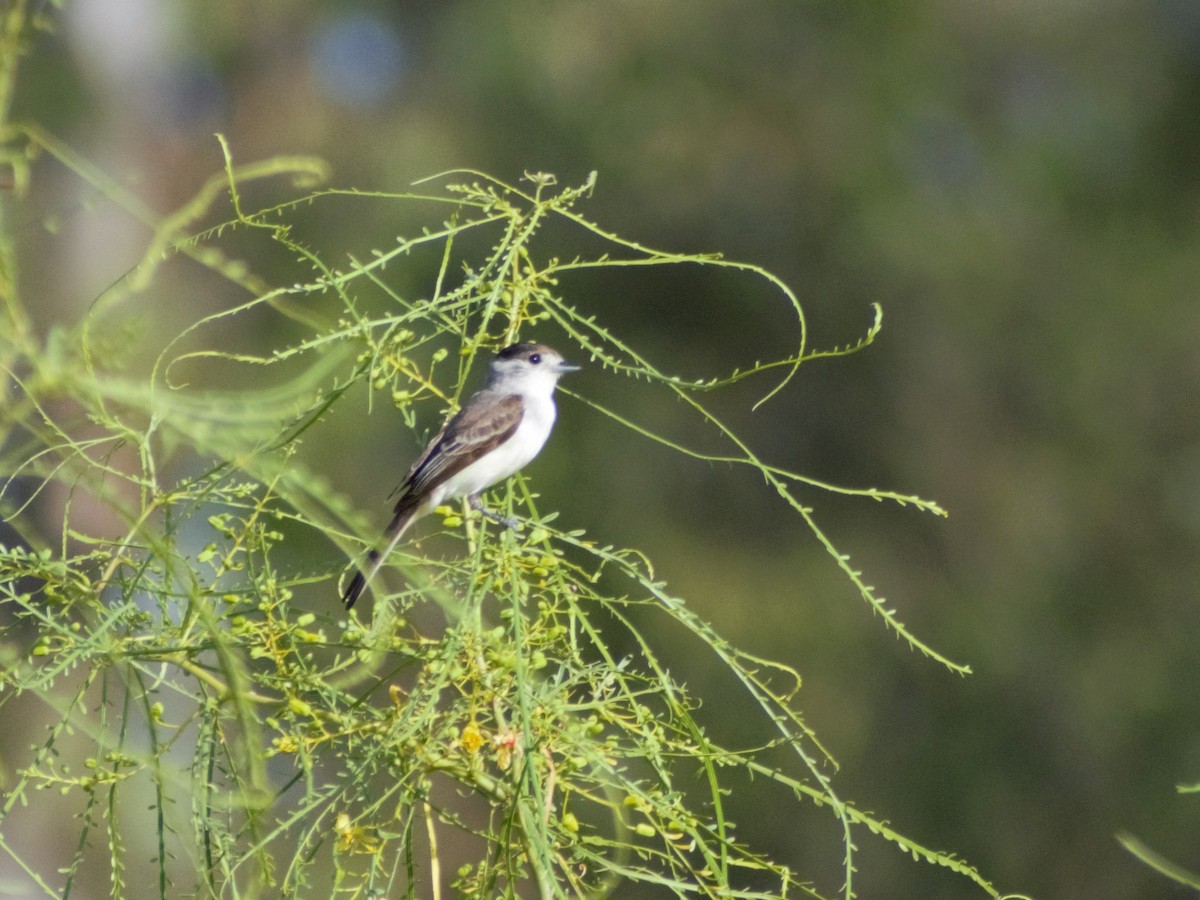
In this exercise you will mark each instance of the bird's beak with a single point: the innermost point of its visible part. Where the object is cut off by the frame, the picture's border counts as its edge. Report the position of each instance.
(563, 367)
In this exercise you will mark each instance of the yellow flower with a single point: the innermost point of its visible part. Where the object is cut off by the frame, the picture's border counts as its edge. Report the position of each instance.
(472, 739)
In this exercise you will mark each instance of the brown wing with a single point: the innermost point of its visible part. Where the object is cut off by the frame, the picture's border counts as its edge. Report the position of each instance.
(478, 428)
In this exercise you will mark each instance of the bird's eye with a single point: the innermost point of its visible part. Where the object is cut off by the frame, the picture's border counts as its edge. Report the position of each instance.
(535, 358)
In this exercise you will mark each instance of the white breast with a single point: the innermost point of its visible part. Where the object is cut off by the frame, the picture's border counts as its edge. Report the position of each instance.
(507, 459)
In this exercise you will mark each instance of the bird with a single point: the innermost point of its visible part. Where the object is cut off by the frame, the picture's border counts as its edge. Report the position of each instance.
(500, 429)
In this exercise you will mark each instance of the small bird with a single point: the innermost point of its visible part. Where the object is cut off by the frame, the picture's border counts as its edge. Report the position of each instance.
(498, 430)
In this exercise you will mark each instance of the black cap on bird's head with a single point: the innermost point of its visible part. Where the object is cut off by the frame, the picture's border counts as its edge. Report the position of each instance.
(536, 355)
(522, 349)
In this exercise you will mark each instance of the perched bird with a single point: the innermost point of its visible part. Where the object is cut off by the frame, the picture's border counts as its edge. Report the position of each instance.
(497, 431)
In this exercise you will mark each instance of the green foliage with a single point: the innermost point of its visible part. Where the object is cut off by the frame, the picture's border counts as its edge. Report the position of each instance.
(285, 748)
(195, 699)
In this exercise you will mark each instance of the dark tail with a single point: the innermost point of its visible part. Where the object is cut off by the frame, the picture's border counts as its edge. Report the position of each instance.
(375, 558)
(359, 582)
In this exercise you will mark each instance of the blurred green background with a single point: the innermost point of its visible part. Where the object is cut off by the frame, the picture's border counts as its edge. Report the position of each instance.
(1017, 184)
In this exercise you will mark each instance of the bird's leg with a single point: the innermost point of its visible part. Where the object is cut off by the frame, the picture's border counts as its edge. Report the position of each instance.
(507, 521)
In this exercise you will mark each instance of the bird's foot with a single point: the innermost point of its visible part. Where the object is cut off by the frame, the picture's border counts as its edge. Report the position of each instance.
(510, 522)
